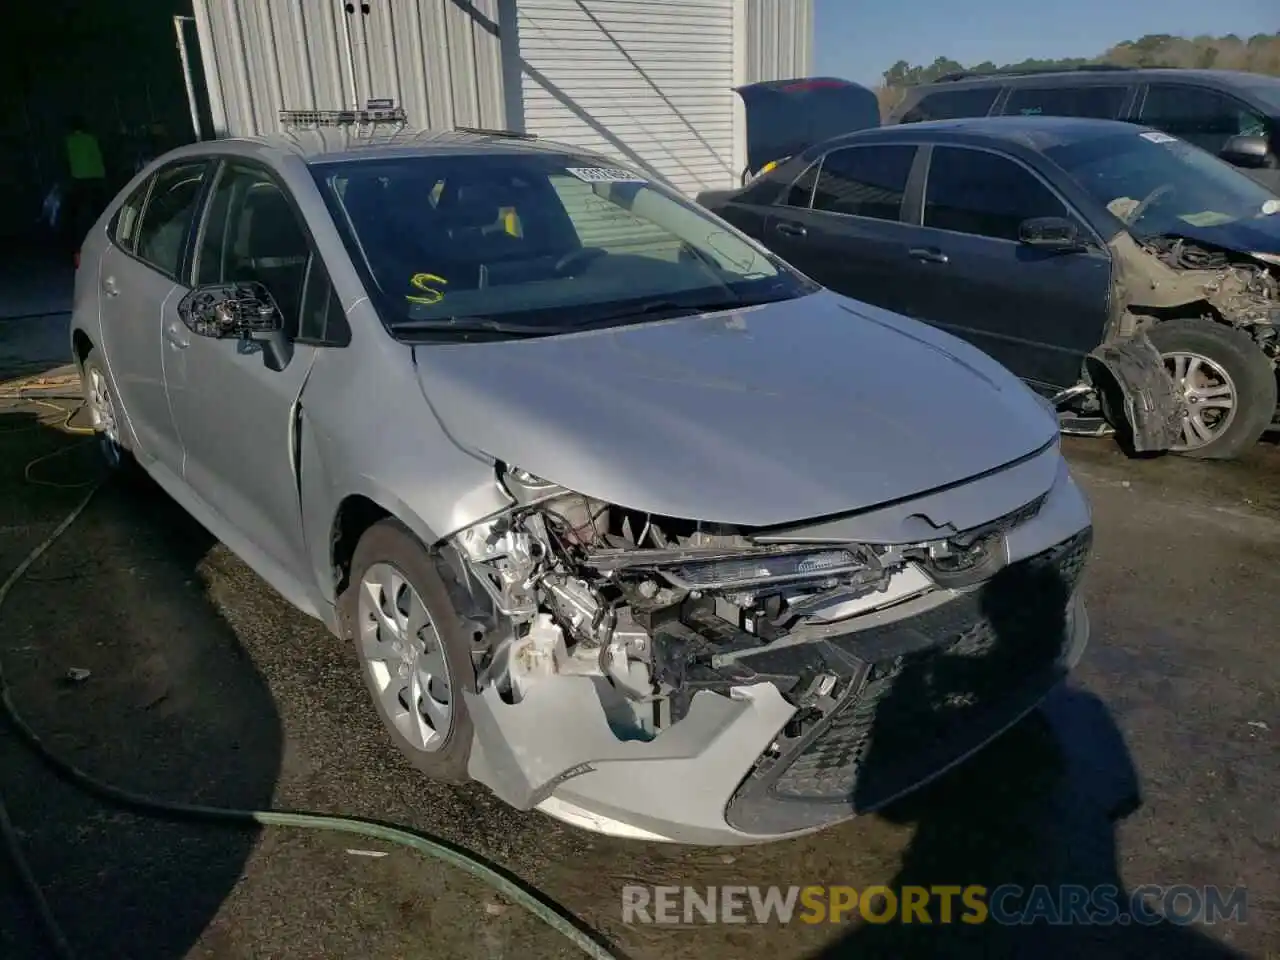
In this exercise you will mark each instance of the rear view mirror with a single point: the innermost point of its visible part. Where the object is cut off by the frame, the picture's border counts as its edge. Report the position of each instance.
(243, 310)
(1051, 233)
(1246, 150)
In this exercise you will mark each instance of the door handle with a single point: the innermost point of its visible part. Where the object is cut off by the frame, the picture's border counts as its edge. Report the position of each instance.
(109, 287)
(177, 337)
(791, 229)
(928, 254)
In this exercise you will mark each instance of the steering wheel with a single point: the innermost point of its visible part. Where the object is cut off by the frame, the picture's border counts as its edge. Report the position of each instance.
(577, 257)
(1161, 191)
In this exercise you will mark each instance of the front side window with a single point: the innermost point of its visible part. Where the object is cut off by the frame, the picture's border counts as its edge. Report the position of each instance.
(1103, 103)
(540, 241)
(166, 221)
(1204, 117)
(1158, 184)
(953, 104)
(984, 194)
(800, 193)
(864, 181)
(251, 234)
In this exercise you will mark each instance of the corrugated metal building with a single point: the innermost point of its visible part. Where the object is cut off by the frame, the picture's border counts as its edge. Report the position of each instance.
(648, 81)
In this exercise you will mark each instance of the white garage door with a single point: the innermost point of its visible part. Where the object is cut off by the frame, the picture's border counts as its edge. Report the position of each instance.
(647, 81)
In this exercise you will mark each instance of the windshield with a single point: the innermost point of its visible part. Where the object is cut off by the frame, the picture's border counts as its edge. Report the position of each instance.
(533, 242)
(1266, 90)
(1158, 184)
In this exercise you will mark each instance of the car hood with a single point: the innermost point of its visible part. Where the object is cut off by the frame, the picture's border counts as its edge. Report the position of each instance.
(1257, 235)
(786, 117)
(761, 416)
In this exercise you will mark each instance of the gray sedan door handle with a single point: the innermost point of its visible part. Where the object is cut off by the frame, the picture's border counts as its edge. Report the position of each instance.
(791, 229)
(176, 334)
(929, 254)
(109, 287)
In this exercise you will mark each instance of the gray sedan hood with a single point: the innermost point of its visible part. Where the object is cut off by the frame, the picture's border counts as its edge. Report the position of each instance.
(761, 416)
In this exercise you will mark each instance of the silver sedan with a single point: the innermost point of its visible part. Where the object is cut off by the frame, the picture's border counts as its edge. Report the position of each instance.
(625, 518)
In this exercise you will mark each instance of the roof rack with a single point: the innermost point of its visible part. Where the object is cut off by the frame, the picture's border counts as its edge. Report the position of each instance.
(375, 112)
(486, 132)
(1030, 71)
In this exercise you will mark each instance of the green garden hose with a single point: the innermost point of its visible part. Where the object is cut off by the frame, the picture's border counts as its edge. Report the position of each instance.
(508, 885)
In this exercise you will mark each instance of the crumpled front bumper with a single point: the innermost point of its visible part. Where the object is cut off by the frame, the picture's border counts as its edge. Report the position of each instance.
(923, 684)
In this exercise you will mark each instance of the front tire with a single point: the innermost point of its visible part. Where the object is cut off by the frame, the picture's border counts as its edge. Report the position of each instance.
(412, 648)
(1228, 383)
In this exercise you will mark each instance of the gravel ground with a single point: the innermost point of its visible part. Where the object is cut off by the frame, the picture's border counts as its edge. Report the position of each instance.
(205, 686)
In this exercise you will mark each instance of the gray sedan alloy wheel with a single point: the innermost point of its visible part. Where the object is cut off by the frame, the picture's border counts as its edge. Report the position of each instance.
(404, 658)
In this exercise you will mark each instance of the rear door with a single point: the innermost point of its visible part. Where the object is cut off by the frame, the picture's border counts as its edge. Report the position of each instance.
(1037, 312)
(1099, 101)
(847, 232)
(139, 292)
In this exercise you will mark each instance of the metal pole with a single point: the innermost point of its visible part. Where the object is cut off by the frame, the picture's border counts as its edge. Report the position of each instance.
(178, 29)
(351, 58)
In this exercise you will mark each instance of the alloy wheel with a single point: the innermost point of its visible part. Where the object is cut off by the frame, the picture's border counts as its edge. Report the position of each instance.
(1210, 396)
(402, 651)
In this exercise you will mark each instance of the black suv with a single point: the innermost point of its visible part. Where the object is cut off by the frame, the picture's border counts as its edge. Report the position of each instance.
(1235, 115)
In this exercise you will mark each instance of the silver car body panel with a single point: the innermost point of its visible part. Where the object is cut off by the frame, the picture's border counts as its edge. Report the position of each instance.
(816, 420)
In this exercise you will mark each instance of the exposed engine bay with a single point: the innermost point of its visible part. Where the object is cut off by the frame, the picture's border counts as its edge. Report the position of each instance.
(1229, 287)
(655, 609)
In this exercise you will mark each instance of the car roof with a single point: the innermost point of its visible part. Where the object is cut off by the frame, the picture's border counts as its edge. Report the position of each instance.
(1036, 132)
(1101, 74)
(336, 144)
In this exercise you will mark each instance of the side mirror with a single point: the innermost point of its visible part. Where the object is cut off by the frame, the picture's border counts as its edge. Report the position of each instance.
(1051, 233)
(243, 310)
(1246, 150)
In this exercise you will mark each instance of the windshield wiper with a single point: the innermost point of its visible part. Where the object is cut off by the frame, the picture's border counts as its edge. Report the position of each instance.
(477, 325)
(653, 308)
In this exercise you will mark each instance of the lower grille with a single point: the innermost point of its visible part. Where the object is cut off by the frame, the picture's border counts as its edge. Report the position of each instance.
(921, 693)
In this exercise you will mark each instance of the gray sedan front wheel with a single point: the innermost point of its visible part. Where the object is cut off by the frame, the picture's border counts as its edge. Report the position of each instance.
(412, 649)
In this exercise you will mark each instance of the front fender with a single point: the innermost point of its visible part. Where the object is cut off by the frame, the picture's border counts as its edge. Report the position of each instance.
(1132, 383)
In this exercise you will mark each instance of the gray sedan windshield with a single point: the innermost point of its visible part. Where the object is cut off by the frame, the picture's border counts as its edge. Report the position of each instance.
(536, 239)
(1159, 184)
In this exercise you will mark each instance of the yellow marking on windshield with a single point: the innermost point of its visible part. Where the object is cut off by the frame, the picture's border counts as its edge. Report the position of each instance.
(423, 281)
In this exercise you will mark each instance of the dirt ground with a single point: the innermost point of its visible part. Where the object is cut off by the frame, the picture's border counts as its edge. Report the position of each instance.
(204, 686)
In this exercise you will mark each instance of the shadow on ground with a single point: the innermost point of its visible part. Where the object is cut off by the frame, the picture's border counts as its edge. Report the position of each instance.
(172, 706)
(1038, 807)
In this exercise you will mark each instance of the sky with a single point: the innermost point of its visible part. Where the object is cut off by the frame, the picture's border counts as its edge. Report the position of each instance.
(859, 39)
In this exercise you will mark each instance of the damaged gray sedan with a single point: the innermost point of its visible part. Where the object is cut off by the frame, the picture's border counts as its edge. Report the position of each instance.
(625, 519)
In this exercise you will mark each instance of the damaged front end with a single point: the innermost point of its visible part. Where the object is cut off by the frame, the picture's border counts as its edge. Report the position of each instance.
(1156, 279)
(668, 679)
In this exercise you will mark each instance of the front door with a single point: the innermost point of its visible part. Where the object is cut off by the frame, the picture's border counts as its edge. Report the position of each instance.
(235, 416)
(850, 238)
(1038, 312)
(138, 293)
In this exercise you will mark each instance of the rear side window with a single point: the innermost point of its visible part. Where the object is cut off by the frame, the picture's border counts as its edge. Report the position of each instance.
(1102, 103)
(1204, 117)
(980, 193)
(864, 181)
(124, 228)
(952, 104)
(166, 221)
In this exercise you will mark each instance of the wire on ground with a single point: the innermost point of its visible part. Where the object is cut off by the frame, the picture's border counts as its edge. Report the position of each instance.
(589, 941)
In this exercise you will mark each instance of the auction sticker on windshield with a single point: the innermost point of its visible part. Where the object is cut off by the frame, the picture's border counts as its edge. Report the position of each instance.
(1157, 137)
(605, 175)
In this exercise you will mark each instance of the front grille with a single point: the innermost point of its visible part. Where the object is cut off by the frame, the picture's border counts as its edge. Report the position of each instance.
(924, 691)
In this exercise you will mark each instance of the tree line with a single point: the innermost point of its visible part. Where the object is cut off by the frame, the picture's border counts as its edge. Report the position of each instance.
(1257, 54)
